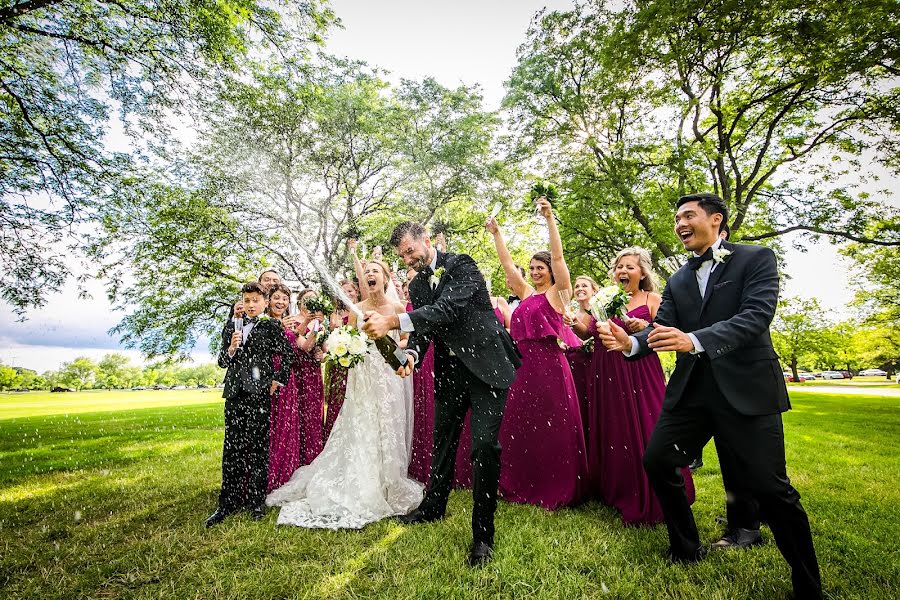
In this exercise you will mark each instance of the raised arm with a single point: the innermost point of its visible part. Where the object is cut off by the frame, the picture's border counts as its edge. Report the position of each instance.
(517, 283)
(357, 268)
(557, 259)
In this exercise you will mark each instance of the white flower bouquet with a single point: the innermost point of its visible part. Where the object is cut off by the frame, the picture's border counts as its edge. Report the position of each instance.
(609, 302)
(346, 346)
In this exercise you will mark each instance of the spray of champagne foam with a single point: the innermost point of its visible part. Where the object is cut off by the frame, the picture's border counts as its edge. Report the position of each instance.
(332, 284)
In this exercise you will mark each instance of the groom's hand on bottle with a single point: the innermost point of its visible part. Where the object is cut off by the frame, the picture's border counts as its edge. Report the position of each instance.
(377, 325)
(407, 369)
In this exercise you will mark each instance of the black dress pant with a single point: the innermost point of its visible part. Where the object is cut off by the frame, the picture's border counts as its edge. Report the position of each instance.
(755, 444)
(245, 453)
(455, 390)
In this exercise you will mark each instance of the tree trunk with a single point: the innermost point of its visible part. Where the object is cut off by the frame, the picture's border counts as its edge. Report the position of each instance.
(794, 369)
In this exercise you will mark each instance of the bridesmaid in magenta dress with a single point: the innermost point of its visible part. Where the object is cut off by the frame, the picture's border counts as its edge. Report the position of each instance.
(543, 454)
(284, 417)
(312, 388)
(337, 375)
(626, 400)
(580, 358)
(463, 474)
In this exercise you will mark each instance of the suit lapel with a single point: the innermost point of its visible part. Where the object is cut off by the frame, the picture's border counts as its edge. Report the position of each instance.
(716, 275)
(441, 263)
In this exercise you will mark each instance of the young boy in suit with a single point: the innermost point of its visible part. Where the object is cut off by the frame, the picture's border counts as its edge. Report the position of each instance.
(250, 381)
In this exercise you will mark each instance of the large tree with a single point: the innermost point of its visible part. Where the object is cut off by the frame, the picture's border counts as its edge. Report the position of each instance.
(293, 159)
(73, 73)
(771, 104)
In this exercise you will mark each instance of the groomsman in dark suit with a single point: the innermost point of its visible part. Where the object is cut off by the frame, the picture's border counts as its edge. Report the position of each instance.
(727, 384)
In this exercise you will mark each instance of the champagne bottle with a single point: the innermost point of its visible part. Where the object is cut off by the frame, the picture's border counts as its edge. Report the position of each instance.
(392, 353)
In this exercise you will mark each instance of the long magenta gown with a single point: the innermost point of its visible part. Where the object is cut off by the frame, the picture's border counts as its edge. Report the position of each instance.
(543, 459)
(580, 363)
(423, 419)
(284, 425)
(334, 394)
(312, 406)
(626, 399)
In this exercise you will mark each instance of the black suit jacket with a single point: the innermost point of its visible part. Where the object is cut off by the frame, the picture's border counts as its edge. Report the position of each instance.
(457, 316)
(731, 322)
(251, 369)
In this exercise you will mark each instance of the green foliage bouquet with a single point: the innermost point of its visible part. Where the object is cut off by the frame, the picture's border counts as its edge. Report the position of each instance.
(319, 303)
(547, 190)
(609, 302)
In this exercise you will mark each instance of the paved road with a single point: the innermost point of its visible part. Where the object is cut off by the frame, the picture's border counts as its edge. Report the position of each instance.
(847, 390)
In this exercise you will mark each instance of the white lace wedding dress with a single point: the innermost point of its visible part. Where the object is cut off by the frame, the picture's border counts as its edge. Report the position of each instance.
(361, 475)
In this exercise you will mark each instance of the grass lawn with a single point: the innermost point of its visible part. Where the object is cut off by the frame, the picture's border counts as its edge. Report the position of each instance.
(103, 495)
(868, 382)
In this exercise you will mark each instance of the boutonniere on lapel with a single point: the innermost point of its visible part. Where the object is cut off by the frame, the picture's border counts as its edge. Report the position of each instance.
(436, 277)
(720, 254)
(263, 317)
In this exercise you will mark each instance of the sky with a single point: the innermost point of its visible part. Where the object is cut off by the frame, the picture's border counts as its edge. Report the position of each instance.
(462, 42)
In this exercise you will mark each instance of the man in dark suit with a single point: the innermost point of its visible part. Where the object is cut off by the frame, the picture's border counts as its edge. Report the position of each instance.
(475, 362)
(250, 381)
(727, 384)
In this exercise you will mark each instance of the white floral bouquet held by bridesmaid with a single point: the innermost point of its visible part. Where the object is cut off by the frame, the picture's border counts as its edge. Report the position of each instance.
(609, 302)
(346, 346)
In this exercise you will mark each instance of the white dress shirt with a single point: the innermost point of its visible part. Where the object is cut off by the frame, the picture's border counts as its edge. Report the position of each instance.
(702, 274)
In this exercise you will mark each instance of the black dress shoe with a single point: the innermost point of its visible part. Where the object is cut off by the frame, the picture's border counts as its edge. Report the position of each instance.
(480, 554)
(696, 464)
(699, 555)
(418, 516)
(738, 538)
(257, 513)
(217, 517)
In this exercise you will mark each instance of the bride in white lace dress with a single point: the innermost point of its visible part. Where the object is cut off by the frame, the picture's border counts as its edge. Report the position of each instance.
(361, 475)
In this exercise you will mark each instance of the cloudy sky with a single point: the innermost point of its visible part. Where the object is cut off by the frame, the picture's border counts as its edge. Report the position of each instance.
(457, 42)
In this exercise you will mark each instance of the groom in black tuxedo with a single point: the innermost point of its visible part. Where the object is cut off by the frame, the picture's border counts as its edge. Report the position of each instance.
(475, 362)
(727, 384)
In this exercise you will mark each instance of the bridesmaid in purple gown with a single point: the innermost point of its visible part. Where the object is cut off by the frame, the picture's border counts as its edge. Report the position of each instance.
(581, 358)
(626, 400)
(543, 454)
(337, 375)
(312, 389)
(284, 417)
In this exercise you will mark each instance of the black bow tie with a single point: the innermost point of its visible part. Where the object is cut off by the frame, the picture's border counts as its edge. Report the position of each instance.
(426, 272)
(251, 321)
(694, 262)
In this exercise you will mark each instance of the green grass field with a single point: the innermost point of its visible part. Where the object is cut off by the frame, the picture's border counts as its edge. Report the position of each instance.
(103, 495)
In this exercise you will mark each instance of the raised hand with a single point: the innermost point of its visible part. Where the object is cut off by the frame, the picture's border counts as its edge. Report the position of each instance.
(352, 245)
(614, 337)
(669, 339)
(544, 207)
(492, 226)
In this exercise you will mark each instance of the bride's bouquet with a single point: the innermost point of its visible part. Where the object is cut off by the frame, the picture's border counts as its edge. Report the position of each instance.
(609, 302)
(345, 346)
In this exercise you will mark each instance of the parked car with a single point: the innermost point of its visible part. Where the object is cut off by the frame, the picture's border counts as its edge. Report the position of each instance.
(873, 373)
(847, 374)
(159, 386)
(806, 376)
(832, 375)
(179, 387)
(138, 388)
